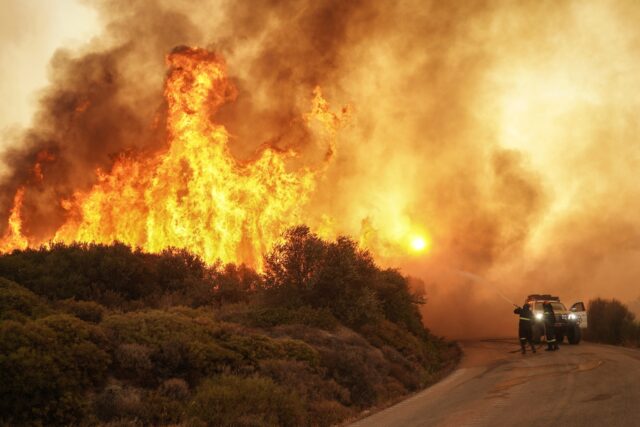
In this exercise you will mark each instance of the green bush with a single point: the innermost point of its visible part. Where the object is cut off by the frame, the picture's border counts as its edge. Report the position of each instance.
(133, 361)
(116, 402)
(154, 327)
(89, 315)
(611, 322)
(268, 317)
(46, 367)
(326, 413)
(304, 270)
(19, 303)
(122, 404)
(109, 274)
(234, 283)
(310, 383)
(360, 371)
(159, 409)
(181, 346)
(175, 389)
(236, 401)
(89, 311)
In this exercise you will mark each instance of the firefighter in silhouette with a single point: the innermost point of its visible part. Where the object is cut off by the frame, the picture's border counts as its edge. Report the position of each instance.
(550, 326)
(524, 327)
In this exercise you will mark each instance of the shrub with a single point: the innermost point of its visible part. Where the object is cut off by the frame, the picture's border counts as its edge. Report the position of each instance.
(234, 283)
(308, 382)
(304, 270)
(299, 350)
(46, 367)
(325, 413)
(388, 333)
(208, 358)
(182, 365)
(159, 409)
(174, 388)
(259, 347)
(118, 402)
(611, 322)
(172, 359)
(268, 317)
(132, 361)
(110, 274)
(89, 311)
(123, 404)
(181, 346)
(18, 303)
(292, 267)
(398, 303)
(235, 401)
(361, 371)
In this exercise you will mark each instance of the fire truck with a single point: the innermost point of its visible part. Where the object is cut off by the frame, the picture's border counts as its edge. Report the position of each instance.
(569, 323)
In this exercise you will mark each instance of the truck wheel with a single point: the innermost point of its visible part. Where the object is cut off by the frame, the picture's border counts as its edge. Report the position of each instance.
(536, 334)
(575, 334)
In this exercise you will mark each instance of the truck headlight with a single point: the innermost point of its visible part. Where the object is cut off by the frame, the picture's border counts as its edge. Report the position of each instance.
(538, 316)
(572, 316)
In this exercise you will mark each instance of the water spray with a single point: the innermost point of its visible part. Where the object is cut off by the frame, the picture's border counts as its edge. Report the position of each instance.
(479, 279)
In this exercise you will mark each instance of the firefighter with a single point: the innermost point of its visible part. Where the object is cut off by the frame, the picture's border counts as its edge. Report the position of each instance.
(524, 327)
(550, 327)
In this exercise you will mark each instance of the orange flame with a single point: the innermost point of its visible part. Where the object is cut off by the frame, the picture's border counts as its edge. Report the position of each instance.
(195, 195)
(13, 238)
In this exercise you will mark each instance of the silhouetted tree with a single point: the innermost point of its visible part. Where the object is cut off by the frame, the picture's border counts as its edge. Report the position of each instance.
(234, 283)
(291, 268)
(611, 322)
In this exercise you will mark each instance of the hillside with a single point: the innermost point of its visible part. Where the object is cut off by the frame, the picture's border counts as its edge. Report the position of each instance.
(107, 335)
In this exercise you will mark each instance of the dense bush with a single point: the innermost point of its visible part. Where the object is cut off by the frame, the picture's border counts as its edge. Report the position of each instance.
(256, 401)
(94, 334)
(109, 274)
(89, 311)
(234, 283)
(304, 270)
(46, 367)
(266, 317)
(19, 303)
(611, 322)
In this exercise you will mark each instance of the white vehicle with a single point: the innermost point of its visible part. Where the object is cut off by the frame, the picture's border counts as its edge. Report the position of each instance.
(569, 323)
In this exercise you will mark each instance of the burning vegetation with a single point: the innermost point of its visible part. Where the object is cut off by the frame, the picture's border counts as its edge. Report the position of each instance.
(195, 194)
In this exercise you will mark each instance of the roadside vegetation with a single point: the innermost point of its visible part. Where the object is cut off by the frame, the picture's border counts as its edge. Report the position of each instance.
(107, 335)
(611, 322)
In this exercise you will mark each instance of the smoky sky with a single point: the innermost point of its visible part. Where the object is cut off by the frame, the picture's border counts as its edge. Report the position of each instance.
(504, 131)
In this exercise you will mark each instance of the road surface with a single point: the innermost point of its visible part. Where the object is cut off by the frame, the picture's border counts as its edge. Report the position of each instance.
(583, 385)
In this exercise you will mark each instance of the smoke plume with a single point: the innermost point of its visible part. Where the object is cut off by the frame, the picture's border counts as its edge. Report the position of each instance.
(505, 133)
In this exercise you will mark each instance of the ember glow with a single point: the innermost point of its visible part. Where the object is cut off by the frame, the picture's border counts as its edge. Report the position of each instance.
(13, 238)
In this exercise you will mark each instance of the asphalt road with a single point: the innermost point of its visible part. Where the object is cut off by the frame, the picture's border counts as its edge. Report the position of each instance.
(583, 385)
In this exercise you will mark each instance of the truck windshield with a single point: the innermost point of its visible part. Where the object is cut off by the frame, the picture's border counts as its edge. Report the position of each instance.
(538, 306)
(558, 306)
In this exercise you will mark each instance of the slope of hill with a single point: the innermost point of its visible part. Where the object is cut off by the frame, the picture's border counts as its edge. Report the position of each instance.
(94, 334)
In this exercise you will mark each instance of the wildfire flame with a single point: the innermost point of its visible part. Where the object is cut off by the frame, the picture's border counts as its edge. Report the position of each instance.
(195, 195)
(13, 238)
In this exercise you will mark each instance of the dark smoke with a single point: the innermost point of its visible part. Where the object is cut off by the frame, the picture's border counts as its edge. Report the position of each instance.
(459, 126)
